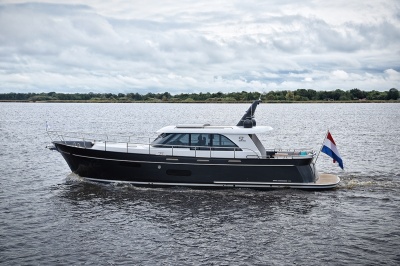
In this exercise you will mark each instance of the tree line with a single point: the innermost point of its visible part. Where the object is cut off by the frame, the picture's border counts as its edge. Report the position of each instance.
(303, 95)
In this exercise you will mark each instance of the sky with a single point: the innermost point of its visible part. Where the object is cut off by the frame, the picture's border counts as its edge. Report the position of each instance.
(189, 46)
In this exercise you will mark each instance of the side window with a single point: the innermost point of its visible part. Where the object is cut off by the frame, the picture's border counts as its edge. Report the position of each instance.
(195, 140)
(208, 139)
(162, 138)
(185, 139)
(178, 139)
(222, 141)
(199, 140)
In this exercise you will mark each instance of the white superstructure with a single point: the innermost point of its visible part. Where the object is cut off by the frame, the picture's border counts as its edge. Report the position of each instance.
(198, 141)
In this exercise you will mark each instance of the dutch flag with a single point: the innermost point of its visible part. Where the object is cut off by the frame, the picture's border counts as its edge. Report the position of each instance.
(329, 148)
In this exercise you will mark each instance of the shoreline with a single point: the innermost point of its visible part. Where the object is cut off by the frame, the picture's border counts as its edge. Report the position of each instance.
(185, 102)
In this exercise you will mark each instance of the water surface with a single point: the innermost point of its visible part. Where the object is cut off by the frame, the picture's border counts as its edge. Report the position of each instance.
(50, 216)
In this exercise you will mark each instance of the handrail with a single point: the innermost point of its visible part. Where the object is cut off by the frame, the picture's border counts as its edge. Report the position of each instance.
(86, 137)
(74, 133)
(290, 153)
(204, 148)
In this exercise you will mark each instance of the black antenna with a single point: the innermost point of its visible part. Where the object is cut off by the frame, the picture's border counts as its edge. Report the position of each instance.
(250, 112)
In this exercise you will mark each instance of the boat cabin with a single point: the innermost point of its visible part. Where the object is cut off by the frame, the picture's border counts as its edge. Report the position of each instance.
(204, 140)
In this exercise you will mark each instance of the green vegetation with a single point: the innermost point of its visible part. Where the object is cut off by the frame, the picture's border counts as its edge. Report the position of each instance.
(300, 95)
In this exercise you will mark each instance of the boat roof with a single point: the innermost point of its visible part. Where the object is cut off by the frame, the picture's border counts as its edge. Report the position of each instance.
(207, 128)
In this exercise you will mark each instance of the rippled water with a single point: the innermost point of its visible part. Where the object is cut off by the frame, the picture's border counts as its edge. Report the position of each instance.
(50, 216)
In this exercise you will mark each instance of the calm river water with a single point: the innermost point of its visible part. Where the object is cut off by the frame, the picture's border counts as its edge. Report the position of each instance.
(49, 216)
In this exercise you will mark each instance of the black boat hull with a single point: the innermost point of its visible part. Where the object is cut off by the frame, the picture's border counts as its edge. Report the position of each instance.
(159, 170)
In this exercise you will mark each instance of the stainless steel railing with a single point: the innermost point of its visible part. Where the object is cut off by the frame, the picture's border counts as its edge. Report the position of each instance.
(88, 139)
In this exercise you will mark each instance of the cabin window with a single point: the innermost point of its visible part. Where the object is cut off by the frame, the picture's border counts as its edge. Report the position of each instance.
(178, 139)
(198, 140)
(169, 139)
(222, 141)
(162, 138)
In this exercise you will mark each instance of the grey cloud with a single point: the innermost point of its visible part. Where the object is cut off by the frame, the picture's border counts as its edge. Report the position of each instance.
(74, 47)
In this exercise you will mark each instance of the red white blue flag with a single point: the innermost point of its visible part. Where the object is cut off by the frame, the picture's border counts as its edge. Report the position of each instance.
(329, 148)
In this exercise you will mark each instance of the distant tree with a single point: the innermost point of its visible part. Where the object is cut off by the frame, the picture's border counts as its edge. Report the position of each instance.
(87, 96)
(229, 99)
(41, 97)
(302, 95)
(358, 94)
(137, 97)
(270, 96)
(149, 96)
(393, 94)
(217, 95)
(300, 98)
(337, 94)
(204, 96)
(373, 95)
(346, 96)
(289, 96)
(280, 95)
(166, 95)
(321, 95)
(298, 95)
(243, 96)
(182, 96)
(311, 94)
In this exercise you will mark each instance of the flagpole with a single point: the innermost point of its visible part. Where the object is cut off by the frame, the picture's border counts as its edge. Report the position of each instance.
(316, 158)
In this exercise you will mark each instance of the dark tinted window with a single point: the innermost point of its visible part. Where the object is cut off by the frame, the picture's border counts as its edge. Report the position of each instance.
(222, 141)
(195, 139)
(173, 139)
(200, 140)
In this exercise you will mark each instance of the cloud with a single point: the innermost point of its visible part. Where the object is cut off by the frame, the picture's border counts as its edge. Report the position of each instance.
(340, 74)
(182, 46)
(392, 75)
